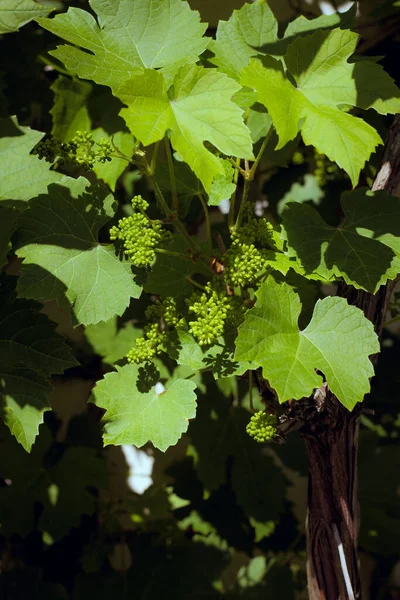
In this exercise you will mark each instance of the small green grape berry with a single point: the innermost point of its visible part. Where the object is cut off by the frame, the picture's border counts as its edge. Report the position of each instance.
(298, 158)
(262, 427)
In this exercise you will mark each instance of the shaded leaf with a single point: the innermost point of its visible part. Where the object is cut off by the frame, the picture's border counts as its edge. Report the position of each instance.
(57, 238)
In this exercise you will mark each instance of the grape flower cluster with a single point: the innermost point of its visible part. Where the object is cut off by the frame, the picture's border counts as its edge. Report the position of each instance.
(325, 170)
(246, 258)
(262, 427)
(211, 309)
(140, 235)
(149, 346)
(81, 151)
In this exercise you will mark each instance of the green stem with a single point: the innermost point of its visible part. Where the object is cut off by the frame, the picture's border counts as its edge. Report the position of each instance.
(154, 157)
(260, 153)
(175, 203)
(248, 178)
(173, 253)
(251, 391)
(231, 214)
(195, 283)
(391, 321)
(237, 166)
(168, 212)
(207, 218)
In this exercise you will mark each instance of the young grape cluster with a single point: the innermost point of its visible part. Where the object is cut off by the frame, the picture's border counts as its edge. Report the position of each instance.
(81, 151)
(245, 260)
(149, 346)
(140, 235)
(262, 427)
(211, 309)
(325, 170)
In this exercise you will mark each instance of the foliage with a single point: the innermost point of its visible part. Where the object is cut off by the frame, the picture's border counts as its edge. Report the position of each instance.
(172, 202)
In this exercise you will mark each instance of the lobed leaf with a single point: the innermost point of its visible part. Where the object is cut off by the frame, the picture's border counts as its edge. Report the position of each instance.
(364, 250)
(57, 238)
(136, 417)
(337, 341)
(324, 81)
(127, 37)
(199, 110)
(23, 175)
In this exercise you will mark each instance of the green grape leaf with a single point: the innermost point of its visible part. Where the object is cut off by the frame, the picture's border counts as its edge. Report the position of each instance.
(259, 124)
(23, 175)
(220, 356)
(134, 417)
(222, 187)
(161, 34)
(170, 277)
(258, 484)
(364, 250)
(110, 171)
(337, 336)
(27, 336)
(8, 219)
(16, 13)
(316, 62)
(70, 113)
(308, 190)
(24, 399)
(57, 238)
(252, 31)
(200, 110)
(238, 38)
(110, 342)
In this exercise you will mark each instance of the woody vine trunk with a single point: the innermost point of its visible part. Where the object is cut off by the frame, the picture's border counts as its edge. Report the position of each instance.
(331, 438)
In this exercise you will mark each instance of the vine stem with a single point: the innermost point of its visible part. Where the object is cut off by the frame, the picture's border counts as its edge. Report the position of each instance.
(175, 204)
(249, 176)
(231, 214)
(207, 219)
(173, 253)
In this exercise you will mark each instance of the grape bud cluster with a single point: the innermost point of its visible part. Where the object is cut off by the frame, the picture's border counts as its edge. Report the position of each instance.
(149, 346)
(211, 309)
(81, 151)
(262, 427)
(325, 170)
(140, 235)
(246, 258)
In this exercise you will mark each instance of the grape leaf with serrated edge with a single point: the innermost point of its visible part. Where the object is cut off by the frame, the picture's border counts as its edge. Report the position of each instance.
(133, 417)
(16, 13)
(316, 61)
(337, 341)
(57, 238)
(24, 398)
(364, 250)
(253, 29)
(161, 34)
(200, 110)
(18, 166)
(30, 350)
(28, 337)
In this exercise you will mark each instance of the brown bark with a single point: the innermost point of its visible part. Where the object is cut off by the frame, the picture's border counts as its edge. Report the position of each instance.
(331, 437)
